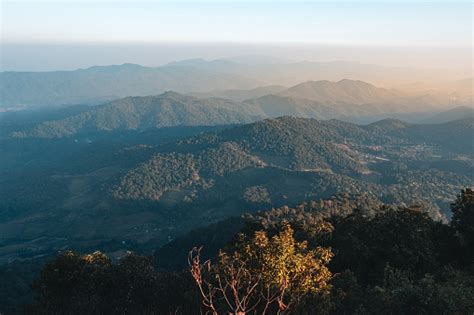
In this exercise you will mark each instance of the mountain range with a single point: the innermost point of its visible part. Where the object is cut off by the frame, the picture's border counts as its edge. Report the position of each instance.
(348, 100)
(98, 84)
(290, 73)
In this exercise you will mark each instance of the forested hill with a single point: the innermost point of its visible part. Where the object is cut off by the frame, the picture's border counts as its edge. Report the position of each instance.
(140, 113)
(118, 191)
(128, 186)
(348, 100)
(310, 157)
(453, 135)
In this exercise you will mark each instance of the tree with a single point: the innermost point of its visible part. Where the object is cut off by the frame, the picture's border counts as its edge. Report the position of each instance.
(405, 238)
(91, 284)
(463, 219)
(262, 274)
(66, 284)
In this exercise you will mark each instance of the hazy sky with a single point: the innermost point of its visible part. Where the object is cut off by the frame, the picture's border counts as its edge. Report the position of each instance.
(415, 24)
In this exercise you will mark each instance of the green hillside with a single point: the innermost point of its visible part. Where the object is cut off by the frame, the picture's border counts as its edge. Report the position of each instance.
(141, 113)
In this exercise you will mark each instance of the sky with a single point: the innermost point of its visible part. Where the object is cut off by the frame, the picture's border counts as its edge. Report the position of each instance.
(32, 29)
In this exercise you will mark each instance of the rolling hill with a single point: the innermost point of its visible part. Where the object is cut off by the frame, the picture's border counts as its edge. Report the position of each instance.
(141, 188)
(333, 152)
(141, 113)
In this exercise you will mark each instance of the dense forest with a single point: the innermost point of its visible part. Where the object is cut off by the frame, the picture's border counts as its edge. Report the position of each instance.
(161, 192)
(323, 257)
(389, 158)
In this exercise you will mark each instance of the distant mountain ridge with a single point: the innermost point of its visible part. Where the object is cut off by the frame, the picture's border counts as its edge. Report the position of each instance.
(349, 100)
(102, 83)
(290, 73)
(169, 109)
(242, 95)
(327, 92)
(460, 112)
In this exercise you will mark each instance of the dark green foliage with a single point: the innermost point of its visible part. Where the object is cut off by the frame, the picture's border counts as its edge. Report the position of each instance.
(387, 260)
(403, 238)
(165, 172)
(453, 135)
(347, 294)
(64, 284)
(91, 284)
(160, 174)
(368, 235)
(450, 292)
(15, 285)
(299, 144)
(463, 222)
(331, 156)
(463, 214)
(169, 257)
(228, 157)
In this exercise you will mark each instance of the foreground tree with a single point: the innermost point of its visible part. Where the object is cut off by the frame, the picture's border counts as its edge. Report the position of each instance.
(405, 238)
(262, 274)
(463, 221)
(72, 284)
(91, 284)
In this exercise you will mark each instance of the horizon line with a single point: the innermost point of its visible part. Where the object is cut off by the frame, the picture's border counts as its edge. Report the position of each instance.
(227, 42)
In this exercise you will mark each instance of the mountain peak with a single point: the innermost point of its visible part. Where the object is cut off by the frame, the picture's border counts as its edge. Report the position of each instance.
(340, 83)
(389, 123)
(343, 91)
(354, 82)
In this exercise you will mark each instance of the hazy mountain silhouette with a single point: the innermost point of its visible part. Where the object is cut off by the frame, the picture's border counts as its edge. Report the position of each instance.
(460, 112)
(100, 83)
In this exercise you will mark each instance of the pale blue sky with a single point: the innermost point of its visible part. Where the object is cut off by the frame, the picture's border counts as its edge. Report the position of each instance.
(67, 34)
(413, 23)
